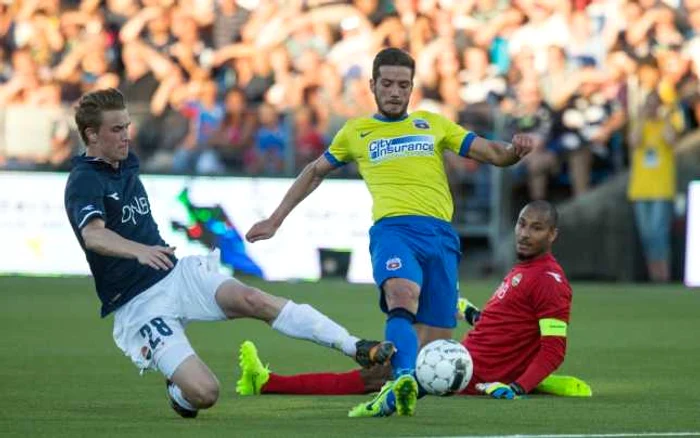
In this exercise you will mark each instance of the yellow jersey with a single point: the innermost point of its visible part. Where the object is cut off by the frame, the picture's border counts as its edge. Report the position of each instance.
(401, 161)
(653, 167)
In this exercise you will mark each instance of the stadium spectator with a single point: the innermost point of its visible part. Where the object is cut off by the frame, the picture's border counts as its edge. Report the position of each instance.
(529, 113)
(205, 116)
(229, 20)
(588, 120)
(153, 26)
(652, 185)
(271, 141)
(307, 138)
(233, 140)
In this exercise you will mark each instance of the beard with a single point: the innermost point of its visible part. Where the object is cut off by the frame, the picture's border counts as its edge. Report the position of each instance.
(523, 257)
(393, 114)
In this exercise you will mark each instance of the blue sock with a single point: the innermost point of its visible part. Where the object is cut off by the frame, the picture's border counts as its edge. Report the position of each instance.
(399, 330)
(391, 402)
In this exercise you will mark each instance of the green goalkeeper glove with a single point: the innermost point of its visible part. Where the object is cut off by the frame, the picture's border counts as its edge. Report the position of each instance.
(501, 390)
(467, 311)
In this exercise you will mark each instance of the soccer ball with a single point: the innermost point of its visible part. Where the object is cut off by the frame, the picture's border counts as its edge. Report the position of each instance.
(444, 367)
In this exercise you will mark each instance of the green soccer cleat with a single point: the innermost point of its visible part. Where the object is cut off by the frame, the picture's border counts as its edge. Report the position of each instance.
(404, 392)
(377, 407)
(254, 375)
(565, 386)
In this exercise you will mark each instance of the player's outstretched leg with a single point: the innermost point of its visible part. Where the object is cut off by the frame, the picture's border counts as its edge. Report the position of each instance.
(257, 378)
(300, 321)
(254, 375)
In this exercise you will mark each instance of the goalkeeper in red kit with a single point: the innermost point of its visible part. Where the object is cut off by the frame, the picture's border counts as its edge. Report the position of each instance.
(518, 339)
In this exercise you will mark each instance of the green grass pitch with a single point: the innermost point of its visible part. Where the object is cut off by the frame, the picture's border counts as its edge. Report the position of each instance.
(62, 375)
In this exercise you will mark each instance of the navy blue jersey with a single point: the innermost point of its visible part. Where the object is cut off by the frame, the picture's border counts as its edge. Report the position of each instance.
(96, 190)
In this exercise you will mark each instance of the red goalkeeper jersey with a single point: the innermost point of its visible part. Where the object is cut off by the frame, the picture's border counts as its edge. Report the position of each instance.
(521, 336)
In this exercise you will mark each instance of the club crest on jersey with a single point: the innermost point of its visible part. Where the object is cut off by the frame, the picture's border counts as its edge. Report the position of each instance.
(403, 146)
(393, 264)
(502, 290)
(421, 124)
(516, 280)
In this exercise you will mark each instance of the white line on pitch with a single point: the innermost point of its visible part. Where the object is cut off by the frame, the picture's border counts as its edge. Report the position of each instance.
(585, 435)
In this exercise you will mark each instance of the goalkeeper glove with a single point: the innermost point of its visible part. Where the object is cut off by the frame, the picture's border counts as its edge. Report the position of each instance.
(501, 390)
(468, 311)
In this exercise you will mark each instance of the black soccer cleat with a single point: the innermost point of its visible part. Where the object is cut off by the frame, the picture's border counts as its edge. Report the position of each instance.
(184, 413)
(371, 353)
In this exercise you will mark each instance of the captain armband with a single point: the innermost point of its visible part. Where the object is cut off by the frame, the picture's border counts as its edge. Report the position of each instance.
(553, 327)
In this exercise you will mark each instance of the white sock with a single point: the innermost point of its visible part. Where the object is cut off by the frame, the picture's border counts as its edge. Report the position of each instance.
(176, 394)
(304, 322)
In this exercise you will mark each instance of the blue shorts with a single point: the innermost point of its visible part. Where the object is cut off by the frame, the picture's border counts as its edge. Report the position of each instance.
(426, 251)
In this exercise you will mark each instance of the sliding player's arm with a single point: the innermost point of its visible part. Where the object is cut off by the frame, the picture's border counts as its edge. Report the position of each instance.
(85, 207)
(469, 145)
(308, 180)
(104, 241)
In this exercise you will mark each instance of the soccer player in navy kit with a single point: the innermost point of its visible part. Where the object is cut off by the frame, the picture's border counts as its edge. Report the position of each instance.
(152, 294)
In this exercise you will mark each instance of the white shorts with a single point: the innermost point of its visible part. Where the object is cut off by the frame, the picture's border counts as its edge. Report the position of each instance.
(150, 328)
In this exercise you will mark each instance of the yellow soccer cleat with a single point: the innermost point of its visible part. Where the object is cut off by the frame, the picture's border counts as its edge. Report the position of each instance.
(254, 375)
(406, 392)
(398, 396)
(565, 386)
(379, 406)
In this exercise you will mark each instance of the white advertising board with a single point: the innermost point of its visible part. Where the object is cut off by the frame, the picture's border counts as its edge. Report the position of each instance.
(692, 241)
(37, 238)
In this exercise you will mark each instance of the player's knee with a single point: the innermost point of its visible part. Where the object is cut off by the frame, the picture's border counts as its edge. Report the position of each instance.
(203, 394)
(401, 293)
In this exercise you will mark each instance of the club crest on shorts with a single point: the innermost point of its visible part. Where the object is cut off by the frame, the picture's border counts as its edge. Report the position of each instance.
(146, 353)
(516, 280)
(393, 264)
(421, 124)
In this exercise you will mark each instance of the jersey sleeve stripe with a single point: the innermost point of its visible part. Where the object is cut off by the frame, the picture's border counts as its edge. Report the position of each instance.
(466, 144)
(92, 213)
(334, 161)
(553, 327)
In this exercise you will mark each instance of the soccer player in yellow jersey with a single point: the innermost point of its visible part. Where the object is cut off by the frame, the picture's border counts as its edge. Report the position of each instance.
(415, 251)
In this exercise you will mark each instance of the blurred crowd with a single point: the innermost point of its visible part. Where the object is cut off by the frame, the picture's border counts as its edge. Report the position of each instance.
(261, 86)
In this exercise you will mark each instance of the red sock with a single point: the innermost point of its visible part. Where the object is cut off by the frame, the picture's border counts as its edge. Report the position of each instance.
(347, 383)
